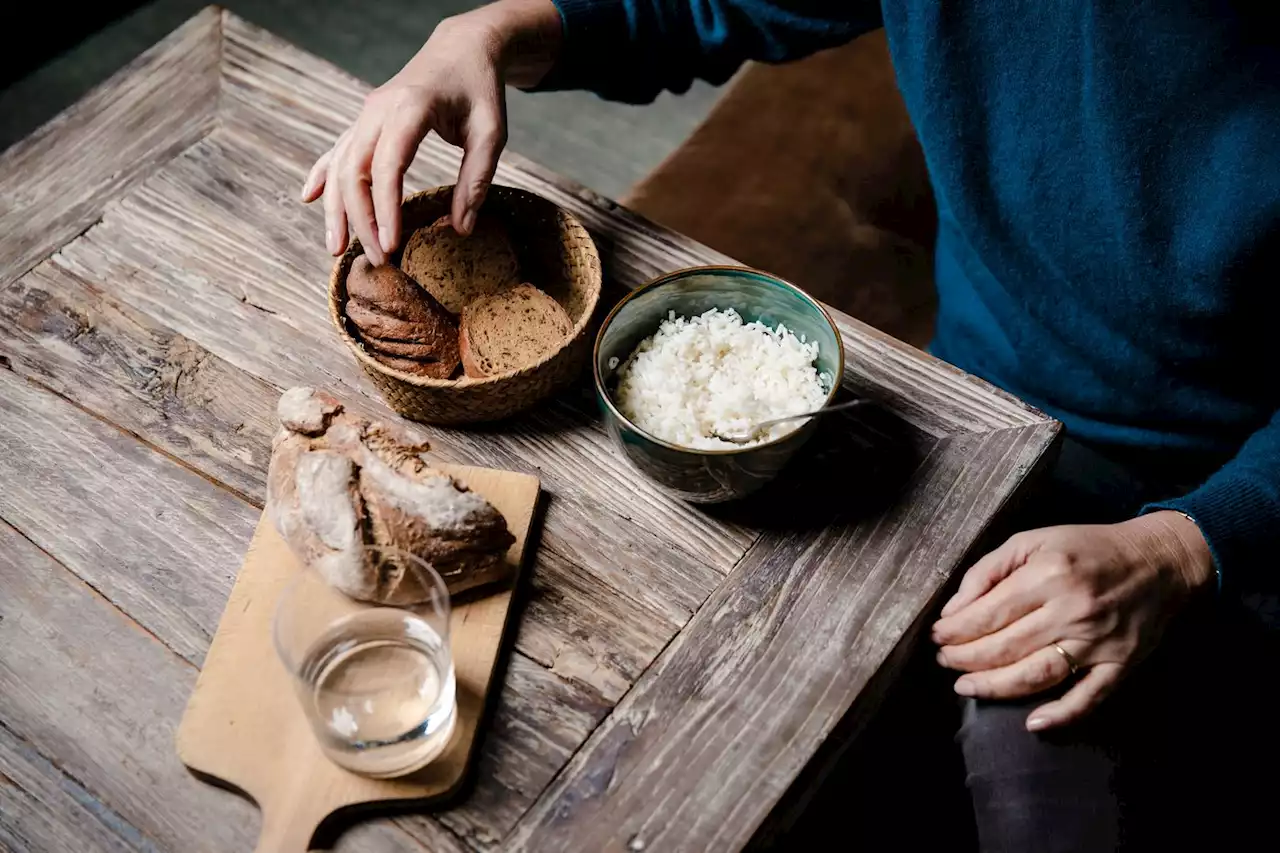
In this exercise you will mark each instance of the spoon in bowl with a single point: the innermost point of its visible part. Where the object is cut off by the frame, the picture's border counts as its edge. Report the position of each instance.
(750, 435)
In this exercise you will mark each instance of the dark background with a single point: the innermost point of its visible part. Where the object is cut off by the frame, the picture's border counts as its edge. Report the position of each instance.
(64, 54)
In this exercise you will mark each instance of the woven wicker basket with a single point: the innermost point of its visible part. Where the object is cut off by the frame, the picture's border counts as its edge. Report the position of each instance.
(556, 254)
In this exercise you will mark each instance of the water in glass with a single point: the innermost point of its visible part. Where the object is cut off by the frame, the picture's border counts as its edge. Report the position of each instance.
(380, 686)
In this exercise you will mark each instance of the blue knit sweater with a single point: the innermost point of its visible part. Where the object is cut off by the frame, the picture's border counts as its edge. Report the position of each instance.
(1107, 176)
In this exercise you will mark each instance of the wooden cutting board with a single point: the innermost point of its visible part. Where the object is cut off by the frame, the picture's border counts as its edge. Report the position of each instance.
(244, 727)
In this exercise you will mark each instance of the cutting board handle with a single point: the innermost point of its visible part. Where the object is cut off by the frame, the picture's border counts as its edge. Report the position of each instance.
(285, 831)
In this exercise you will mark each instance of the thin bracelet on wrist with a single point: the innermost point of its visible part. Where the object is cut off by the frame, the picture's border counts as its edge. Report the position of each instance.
(1217, 570)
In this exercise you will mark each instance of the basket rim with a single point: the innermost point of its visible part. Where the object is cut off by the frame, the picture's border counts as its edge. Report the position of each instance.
(354, 249)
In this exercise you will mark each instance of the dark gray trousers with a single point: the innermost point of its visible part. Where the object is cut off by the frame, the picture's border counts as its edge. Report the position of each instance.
(1185, 755)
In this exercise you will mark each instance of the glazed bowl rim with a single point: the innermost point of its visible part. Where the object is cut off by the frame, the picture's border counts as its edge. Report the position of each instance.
(717, 269)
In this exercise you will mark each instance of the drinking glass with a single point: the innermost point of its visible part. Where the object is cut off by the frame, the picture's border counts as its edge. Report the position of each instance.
(376, 681)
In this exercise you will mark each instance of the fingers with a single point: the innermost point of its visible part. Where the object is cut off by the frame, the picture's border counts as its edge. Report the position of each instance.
(986, 573)
(391, 158)
(486, 135)
(1010, 600)
(335, 216)
(314, 184)
(356, 183)
(1038, 671)
(1008, 645)
(1096, 685)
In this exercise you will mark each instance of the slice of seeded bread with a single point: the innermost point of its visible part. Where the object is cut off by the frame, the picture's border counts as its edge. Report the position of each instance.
(510, 330)
(457, 270)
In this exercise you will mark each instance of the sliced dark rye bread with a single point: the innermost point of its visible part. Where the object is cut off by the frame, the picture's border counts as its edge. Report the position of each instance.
(398, 320)
(373, 323)
(403, 349)
(457, 270)
(391, 292)
(509, 330)
(418, 367)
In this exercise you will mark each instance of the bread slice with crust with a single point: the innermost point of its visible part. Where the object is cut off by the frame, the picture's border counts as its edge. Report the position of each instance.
(401, 324)
(417, 366)
(457, 270)
(509, 330)
(391, 292)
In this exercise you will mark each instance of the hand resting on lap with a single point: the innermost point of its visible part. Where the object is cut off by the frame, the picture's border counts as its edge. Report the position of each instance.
(1102, 593)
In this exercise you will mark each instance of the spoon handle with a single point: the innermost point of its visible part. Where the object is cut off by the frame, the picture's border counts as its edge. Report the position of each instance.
(839, 407)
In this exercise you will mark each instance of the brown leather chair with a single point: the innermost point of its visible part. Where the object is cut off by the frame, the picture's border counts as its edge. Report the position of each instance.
(811, 170)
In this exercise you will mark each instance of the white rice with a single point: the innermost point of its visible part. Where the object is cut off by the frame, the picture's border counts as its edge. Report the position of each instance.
(699, 377)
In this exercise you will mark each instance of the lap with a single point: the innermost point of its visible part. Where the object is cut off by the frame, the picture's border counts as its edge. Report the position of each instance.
(1184, 755)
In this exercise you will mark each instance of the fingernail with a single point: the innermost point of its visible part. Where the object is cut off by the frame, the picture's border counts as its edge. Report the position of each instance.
(964, 688)
(384, 237)
(941, 659)
(468, 221)
(946, 608)
(330, 241)
(1035, 724)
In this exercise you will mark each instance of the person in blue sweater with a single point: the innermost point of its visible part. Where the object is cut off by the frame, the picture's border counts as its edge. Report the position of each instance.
(1107, 178)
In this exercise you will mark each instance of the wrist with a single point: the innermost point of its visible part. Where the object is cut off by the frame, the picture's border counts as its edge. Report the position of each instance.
(523, 38)
(1178, 539)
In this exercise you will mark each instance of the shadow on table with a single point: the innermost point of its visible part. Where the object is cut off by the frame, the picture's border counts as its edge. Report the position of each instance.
(854, 467)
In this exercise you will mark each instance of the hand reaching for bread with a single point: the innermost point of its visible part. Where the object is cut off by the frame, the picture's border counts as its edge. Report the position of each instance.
(454, 301)
(454, 86)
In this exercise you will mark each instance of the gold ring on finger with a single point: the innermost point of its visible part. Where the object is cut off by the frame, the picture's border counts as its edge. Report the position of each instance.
(1066, 655)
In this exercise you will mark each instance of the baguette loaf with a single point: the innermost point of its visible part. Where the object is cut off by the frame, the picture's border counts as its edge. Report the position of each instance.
(509, 330)
(338, 482)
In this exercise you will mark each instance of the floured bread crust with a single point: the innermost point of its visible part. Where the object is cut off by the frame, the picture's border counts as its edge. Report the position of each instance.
(338, 482)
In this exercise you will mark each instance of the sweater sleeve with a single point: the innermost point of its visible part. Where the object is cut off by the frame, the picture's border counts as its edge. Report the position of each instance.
(631, 50)
(1238, 510)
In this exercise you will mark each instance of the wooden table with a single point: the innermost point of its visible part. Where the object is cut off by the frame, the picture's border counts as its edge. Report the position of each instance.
(675, 668)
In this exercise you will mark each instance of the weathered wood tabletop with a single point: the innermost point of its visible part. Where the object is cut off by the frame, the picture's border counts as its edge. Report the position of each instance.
(675, 667)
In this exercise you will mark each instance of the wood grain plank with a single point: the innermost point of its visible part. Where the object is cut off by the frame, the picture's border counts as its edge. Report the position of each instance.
(55, 183)
(274, 99)
(158, 540)
(42, 808)
(91, 702)
(66, 334)
(163, 543)
(541, 721)
(386, 836)
(587, 632)
(771, 663)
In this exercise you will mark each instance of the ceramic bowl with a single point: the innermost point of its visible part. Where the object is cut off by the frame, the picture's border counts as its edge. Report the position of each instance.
(710, 476)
